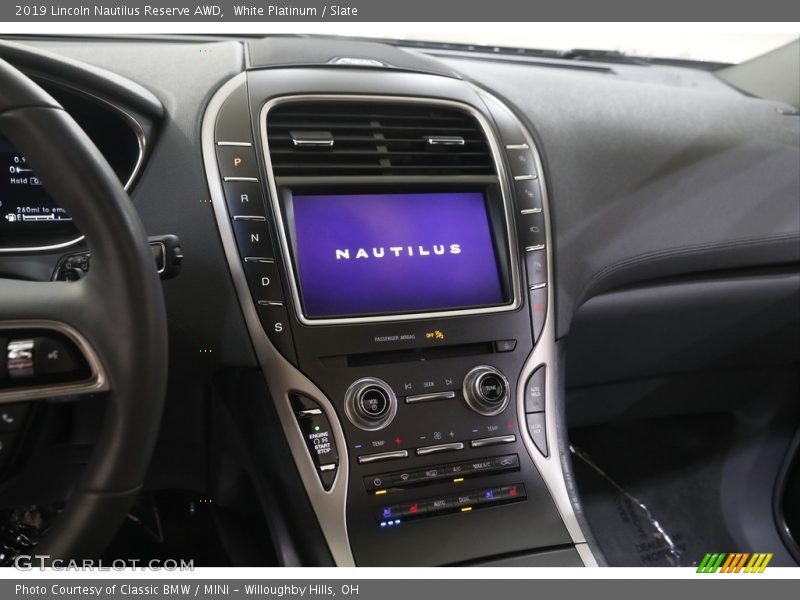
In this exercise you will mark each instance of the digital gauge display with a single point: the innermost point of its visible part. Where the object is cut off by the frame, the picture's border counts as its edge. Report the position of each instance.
(25, 206)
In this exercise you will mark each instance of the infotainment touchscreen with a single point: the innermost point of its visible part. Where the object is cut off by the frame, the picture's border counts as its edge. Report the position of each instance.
(380, 254)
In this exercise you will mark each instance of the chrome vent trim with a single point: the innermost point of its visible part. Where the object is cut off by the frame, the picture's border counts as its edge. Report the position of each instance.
(371, 137)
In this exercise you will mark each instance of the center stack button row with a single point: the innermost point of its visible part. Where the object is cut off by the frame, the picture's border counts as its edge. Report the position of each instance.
(245, 201)
(487, 466)
(529, 196)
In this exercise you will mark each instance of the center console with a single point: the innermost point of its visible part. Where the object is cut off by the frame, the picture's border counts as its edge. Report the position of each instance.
(387, 235)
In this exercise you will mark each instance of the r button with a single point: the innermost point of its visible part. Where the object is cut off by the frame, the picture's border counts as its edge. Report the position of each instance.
(244, 198)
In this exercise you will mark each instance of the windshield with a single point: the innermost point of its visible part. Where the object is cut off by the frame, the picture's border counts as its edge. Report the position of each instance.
(696, 43)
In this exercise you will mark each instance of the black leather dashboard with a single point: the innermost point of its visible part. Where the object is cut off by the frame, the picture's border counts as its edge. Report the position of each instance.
(651, 180)
(673, 214)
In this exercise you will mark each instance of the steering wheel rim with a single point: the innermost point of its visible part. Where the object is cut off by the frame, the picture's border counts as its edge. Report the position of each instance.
(117, 309)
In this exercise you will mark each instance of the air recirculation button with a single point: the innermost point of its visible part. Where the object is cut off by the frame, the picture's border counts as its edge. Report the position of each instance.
(370, 404)
(486, 390)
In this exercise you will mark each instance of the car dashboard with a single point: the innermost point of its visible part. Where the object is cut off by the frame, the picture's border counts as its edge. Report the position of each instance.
(387, 270)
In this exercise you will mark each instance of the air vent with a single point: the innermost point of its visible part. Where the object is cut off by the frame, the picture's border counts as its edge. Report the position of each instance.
(351, 138)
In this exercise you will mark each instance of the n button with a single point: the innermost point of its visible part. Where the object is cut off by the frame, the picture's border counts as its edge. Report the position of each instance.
(253, 238)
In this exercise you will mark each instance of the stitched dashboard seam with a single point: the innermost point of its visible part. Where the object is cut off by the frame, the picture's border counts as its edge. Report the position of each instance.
(673, 252)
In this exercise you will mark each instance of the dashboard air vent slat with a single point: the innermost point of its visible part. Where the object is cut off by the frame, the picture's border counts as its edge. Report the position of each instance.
(376, 138)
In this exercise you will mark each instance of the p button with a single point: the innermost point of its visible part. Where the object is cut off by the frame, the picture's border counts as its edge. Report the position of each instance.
(237, 161)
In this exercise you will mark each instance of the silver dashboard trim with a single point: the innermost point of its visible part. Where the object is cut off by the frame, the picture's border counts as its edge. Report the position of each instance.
(329, 505)
(381, 456)
(96, 383)
(449, 447)
(432, 397)
(502, 179)
(544, 353)
(248, 179)
(493, 441)
(163, 254)
(585, 554)
(249, 218)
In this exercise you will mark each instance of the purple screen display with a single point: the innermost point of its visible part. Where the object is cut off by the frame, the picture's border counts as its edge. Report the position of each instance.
(371, 254)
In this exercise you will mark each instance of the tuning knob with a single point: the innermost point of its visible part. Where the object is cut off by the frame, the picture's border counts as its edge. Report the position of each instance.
(370, 404)
(486, 390)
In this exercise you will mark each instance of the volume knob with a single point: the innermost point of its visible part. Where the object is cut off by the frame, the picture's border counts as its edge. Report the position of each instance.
(486, 390)
(370, 404)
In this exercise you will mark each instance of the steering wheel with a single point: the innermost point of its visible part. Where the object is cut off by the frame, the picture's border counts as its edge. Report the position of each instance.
(116, 313)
